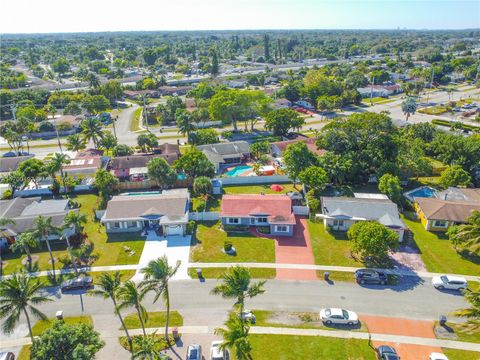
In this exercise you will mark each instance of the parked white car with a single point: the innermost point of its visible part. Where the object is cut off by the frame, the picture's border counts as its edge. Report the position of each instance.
(437, 356)
(449, 282)
(338, 316)
(247, 315)
(216, 353)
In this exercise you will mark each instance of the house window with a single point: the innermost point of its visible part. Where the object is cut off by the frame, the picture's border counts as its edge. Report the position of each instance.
(233, 221)
(281, 228)
(262, 220)
(116, 225)
(440, 223)
(132, 224)
(338, 223)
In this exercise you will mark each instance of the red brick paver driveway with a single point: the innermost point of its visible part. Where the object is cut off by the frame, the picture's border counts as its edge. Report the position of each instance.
(294, 249)
(403, 327)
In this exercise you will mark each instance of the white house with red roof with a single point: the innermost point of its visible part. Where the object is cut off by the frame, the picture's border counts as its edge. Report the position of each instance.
(274, 211)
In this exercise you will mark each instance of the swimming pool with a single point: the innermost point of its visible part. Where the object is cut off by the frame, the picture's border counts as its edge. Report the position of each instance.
(424, 191)
(238, 170)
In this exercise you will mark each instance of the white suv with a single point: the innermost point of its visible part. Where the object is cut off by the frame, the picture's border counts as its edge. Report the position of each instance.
(449, 282)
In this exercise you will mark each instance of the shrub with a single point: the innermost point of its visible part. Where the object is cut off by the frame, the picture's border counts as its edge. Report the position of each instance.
(190, 227)
(46, 126)
(227, 246)
(65, 126)
(236, 228)
(263, 229)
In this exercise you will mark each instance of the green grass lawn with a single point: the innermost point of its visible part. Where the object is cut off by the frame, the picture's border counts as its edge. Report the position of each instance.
(330, 249)
(433, 110)
(461, 335)
(438, 254)
(453, 354)
(377, 100)
(258, 189)
(213, 204)
(42, 325)
(112, 249)
(215, 273)
(287, 347)
(155, 319)
(209, 242)
(135, 124)
(299, 320)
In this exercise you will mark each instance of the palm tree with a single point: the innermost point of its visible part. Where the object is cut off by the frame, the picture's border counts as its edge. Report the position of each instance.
(56, 165)
(146, 348)
(45, 229)
(20, 293)
(472, 313)
(50, 109)
(157, 274)
(92, 130)
(131, 296)
(237, 285)
(75, 220)
(107, 287)
(235, 336)
(75, 143)
(4, 233)
(467, 236)
(24, 242)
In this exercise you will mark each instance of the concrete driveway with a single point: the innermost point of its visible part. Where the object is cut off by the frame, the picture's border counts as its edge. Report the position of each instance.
(403, 327)
(176, 248)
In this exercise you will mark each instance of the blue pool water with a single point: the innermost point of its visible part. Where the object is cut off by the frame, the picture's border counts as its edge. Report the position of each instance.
(238, 170)
(424, 191)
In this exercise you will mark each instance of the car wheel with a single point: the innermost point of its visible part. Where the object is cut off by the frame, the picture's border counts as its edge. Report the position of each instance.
(350, 323)
(440, 287)
(362, 282)
(328, 322)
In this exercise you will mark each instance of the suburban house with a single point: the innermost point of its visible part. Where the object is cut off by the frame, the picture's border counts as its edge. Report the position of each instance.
(125, 167)
(277, 148)
(282, 104)
(167, 212)
(86, 162)
(450, 207)
(138, 94)
(384, 90)
(273, 211)
(24, 211)
(9, 164)
(174, 90)
(234, 152)
(339, 213)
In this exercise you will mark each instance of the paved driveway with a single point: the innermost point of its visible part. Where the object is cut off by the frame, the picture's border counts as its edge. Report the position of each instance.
(295, 249)
(176, 248)
(406, 327)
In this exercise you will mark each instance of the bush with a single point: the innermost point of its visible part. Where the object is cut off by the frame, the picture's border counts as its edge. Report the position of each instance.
(64, 126)
(236, 228)
(7, 194)
(227, 134)
(263, 229)
(227, 246)
(190, 227)
(46, 126)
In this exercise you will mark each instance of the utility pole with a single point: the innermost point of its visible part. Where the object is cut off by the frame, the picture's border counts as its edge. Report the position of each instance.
(431, 83)
(114, 120)
(145, 112)
(371, 91)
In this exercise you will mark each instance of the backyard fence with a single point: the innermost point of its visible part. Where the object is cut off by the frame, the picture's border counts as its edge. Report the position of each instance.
(252, 180)
(204, 216)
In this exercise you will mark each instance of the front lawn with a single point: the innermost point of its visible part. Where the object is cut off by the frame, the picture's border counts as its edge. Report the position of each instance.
(288, 347)
(209, 241)
(213, 203)
(330, 248)
(42, 325)
(258, 189)
(433, 110)
(215, 273)
(468, 336)
(454, 354)
(156, 319)
(438, 254)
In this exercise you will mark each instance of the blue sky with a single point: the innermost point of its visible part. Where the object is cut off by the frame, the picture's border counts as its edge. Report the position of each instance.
(113, 15)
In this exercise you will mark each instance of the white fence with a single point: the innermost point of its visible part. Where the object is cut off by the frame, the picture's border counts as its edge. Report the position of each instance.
(251, 180)
(204, 216)
(301, 210)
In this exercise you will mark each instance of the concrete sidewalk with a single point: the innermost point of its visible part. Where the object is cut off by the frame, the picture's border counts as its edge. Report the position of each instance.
(421, 274)
(459, 345)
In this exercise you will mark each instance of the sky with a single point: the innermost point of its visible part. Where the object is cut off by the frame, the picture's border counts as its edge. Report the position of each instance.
(45, 16)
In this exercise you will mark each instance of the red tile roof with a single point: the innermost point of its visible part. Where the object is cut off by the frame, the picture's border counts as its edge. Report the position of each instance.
(282, 145)
(278, 208)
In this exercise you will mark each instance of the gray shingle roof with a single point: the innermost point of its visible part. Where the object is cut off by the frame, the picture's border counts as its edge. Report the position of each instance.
(227, 150)
(382, 210)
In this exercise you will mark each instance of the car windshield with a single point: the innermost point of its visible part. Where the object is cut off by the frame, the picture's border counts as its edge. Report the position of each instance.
(444, 279)
(193, 354)
(345, 314)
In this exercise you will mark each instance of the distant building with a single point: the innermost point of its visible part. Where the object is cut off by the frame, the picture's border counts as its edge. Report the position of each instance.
(277, 148)
(9, 164)
(282, 104)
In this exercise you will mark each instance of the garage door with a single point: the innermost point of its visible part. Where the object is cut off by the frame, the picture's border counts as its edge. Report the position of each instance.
(174, 230)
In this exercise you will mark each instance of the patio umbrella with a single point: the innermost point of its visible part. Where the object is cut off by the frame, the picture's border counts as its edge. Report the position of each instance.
(276, 187)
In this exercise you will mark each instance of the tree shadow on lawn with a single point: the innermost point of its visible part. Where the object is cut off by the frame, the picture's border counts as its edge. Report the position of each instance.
(124, 237)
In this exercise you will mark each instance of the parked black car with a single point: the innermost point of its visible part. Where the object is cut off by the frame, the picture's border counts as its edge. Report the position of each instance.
(387, 353)
(79, 283)
(370, 276)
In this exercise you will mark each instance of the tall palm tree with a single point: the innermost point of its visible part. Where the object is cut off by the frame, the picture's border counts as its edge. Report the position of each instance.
(157, 274)
(467, 236)
(235, 337)
(130, 295)
(24, 242)
(107, 287)
(92, 130)
(237, 285)
(56, 165)
(76, 220)
(19, 294)
(146, 348)
(50, 109)
(75, 143)
(45, 228)
(4, 222)
(472, 313)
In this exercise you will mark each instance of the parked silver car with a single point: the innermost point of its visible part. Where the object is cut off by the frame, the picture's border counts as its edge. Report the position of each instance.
(338, 316)
(449, 282)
